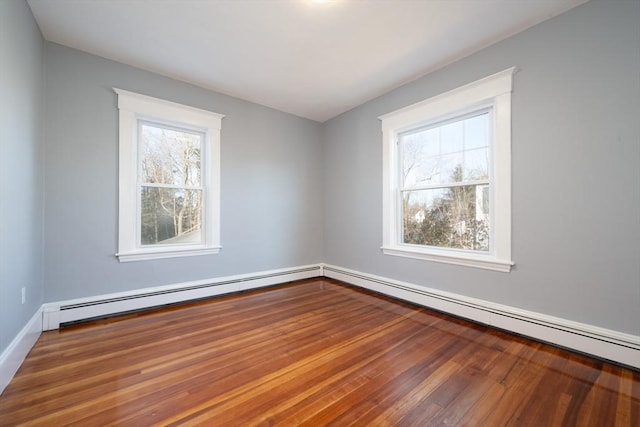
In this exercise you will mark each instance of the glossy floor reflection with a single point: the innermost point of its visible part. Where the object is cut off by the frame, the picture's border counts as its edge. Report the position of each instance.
(311, 353)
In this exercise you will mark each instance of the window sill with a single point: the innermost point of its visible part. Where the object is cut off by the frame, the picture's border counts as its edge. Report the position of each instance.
(486, 262)
(159, 253)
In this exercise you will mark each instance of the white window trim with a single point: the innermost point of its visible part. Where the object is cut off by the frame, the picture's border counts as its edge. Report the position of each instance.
(494, 91)
(132, 107)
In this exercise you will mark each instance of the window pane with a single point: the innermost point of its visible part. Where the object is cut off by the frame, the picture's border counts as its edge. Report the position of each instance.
(170, 216)
(476, 134)
(453, 152)
(476, 164)
(418, 167)
(451, 137)
(453, 217)
(451, 167)
(170, 156)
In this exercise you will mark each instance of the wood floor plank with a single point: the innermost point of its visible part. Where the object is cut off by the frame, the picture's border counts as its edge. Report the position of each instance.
(359, 374)
(315, 352)
(308, 364)
(142, 388)
(355, 327)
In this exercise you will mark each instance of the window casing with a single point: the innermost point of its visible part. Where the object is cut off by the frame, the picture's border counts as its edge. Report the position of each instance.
(447, 176)
(169, 179)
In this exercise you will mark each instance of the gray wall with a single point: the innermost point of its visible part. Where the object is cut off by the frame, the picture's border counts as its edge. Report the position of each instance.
(288, 183)
(271, 182)
(21, 99)
(575, 162)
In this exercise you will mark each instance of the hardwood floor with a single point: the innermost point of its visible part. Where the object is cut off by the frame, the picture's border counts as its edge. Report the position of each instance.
(312, 353)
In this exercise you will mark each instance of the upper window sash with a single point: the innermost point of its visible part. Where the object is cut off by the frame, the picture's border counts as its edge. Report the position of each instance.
(444, 183)
(203, 150)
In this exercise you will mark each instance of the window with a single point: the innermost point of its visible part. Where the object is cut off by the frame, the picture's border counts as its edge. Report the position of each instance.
(447, 176)
(169, 189)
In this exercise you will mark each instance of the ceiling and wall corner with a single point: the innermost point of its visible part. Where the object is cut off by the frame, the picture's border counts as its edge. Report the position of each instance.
(575, 171)
(297, 192)
(311, 59)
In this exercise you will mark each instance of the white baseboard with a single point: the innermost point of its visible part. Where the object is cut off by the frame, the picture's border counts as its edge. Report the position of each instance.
(57, 313)
(615, 346)
(604, 343)
(13, 356)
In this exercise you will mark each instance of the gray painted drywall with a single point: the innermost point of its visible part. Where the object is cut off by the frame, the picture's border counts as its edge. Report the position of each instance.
(271, 196)
(21, 103)
(575, 180)
(296, 192)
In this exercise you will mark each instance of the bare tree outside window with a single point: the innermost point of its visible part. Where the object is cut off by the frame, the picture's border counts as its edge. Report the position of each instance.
(445, 195)
(171, 199)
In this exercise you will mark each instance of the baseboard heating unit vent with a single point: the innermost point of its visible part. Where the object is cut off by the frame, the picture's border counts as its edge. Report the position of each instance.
(65, 312)
(604, 343)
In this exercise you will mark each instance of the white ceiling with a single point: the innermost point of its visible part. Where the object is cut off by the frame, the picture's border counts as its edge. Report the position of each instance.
(311, 59)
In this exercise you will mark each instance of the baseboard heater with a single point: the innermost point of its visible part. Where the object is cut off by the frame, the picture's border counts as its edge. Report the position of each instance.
(612, 345)
(604, 343)
(64, 313)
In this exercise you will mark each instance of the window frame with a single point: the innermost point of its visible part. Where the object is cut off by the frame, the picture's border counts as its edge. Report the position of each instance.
(133, 109)
(492, 92)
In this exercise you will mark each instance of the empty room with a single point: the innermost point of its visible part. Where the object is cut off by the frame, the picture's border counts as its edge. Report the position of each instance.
(339, 212)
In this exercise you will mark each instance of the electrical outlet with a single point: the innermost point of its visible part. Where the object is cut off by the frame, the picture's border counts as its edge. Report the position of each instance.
(24, 294)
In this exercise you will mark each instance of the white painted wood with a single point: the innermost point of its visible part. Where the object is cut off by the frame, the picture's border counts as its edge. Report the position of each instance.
(133, 107)
(176, 113)
(476, 260)
(501, 179)
(492, 93)
(164, 252)
(60, 312)
(13, 356)
(605, 343)
(440, 107)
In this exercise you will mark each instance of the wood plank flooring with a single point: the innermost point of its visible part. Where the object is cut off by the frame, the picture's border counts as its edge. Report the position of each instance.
(312, 353)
